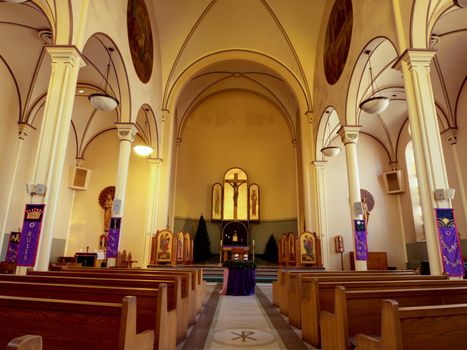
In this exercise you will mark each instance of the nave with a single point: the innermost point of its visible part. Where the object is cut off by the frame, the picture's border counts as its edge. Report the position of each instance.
(235, 322)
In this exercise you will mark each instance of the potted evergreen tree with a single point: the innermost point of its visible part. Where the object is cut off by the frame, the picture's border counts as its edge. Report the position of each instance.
(202, 244)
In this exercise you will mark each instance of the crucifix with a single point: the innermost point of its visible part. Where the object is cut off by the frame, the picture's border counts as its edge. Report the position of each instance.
(235, 183)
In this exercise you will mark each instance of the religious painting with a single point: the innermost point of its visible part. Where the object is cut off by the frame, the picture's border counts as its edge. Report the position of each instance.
(235, 197)
(284, 246)
(164, 246)
(307, 248)
(180, 243)
(337, 40)
(140, 39)
(186, 248)
(105, 199)
(254, 202)
(216, 202)
(291, 244)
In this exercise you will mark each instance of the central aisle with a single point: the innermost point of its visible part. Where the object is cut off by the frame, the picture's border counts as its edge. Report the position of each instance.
(232, 322)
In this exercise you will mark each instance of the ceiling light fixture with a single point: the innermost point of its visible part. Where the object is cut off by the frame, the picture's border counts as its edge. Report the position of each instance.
(104, 101)
(15, 1)
(376, 104)
(143, 150)
(329, 150)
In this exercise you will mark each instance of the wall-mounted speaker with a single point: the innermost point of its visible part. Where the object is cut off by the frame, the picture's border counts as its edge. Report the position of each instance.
(79, 178)
(393, 182)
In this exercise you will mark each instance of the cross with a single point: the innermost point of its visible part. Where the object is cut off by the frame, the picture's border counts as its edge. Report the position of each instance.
(244, 336)
(235, 183)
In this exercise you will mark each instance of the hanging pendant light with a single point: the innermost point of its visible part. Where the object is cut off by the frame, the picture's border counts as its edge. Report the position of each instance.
(330, 150)
(104, 101)
(143, 150)
(15, 1)
(376, 104)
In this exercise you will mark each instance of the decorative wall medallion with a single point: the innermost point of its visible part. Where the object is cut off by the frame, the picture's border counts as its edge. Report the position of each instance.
(337, 40)
(140, 38)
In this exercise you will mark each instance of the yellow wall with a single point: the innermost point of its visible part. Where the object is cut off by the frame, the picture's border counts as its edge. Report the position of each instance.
(236, 129)
(87, 220)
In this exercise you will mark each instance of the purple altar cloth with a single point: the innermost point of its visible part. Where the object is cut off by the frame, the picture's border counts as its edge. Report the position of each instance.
(241, 281)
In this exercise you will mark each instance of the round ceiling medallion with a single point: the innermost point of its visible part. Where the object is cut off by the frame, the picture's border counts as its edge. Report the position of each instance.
(140, 38)
(337, 40)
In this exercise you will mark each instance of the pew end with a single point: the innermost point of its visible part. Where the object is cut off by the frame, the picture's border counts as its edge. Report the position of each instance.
(26, 342)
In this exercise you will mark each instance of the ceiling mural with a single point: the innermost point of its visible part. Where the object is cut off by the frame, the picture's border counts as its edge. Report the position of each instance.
(337, 40)
(140, 39)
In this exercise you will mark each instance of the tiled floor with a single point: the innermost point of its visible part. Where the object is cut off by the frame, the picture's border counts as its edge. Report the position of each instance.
(233, 322)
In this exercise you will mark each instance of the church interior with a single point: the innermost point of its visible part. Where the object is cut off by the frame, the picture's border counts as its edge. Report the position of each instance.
(332, 128)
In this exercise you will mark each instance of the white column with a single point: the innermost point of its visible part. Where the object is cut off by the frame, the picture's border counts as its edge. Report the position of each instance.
(126, 134)
(428, 151)
(153, 177)
(24, 131)
(322, 224)
(401, 221)
(349, 136)
(165, 181)
(451, 136)
(53, 140)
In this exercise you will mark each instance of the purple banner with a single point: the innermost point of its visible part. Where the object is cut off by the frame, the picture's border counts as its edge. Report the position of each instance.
(361, 246)
(28, 244)
(12, 250)
(449, 242)
(114, 237)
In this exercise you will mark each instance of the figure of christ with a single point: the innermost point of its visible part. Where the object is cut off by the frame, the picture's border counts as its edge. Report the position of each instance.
(235, 183)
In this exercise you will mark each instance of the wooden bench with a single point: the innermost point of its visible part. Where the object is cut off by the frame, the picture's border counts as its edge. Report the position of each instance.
(299, 285)
(196, 295)
(360, 311)
(175, 300)
(74, 325)
(151, 313)
(421, 327)
(26, 342)
(318, 294)
(284, 276)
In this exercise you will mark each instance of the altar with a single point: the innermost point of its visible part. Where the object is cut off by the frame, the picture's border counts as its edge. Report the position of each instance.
(239, 278)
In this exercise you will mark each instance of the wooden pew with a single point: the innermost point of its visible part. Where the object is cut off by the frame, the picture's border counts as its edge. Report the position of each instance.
(188, 311)
(197, 294)
(175, 300)
(421, 327)
(300, 284)
(283, 277)
(318, 294)
(26, 342)
(75, 325)
(151, 309)
(360, 311)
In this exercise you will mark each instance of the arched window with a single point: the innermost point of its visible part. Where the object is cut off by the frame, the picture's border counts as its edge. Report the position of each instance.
(414, 193)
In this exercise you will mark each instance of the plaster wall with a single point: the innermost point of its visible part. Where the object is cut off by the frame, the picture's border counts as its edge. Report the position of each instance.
(87, 219)
(384, 233)
(236, 129)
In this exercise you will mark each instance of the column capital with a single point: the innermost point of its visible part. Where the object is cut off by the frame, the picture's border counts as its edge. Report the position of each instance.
(66, 54)
(165, 115)
(24, 130)
(126, 131)
(310, 116)
(319, 164)
(154, 161)
(349, 133)
(415, 58)
(451, 136)
(179, 141)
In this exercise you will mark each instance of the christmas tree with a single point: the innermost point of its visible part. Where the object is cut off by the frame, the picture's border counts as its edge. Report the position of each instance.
(202, 244)
(271, 253)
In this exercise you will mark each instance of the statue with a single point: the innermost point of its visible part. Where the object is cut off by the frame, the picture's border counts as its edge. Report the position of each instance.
(107, 212)
(366, 212)
(254, 201)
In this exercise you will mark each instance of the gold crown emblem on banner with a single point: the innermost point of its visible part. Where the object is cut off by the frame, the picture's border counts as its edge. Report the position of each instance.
(33, 214)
